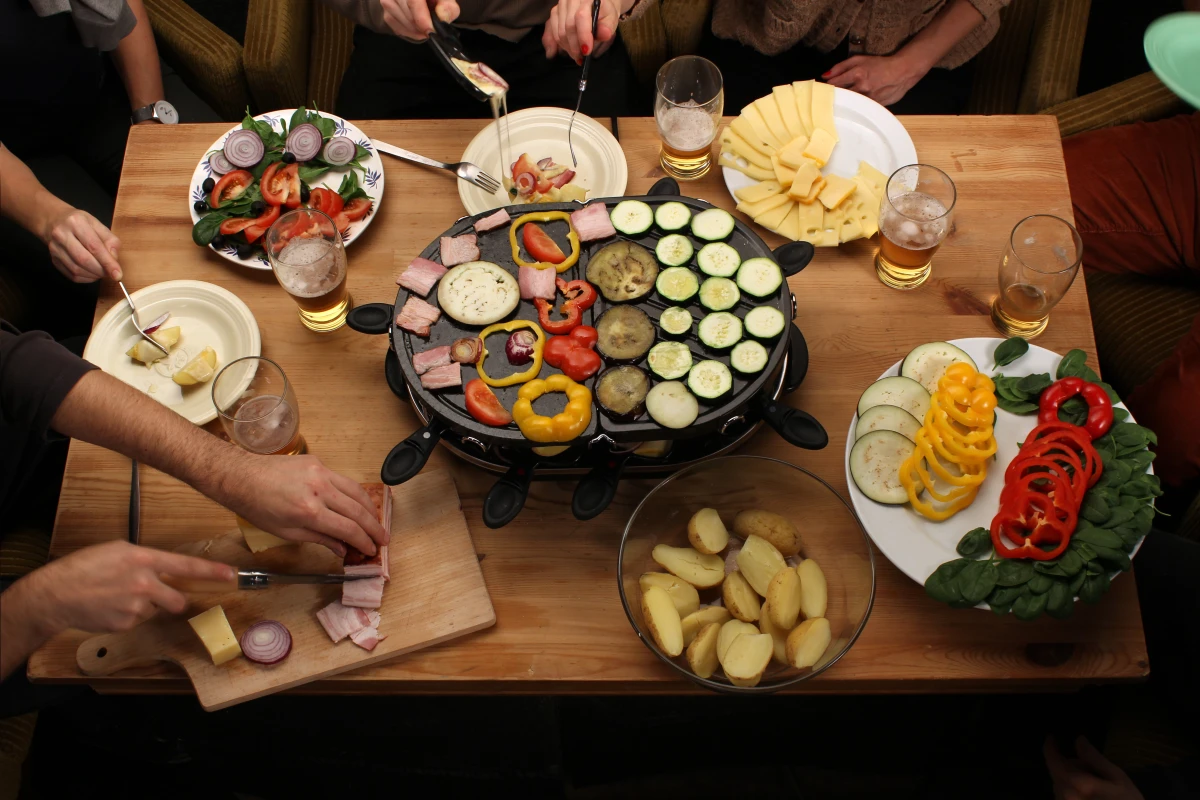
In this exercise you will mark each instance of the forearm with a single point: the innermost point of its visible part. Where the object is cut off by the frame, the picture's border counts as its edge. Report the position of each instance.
(136, 58)
(23, 199)
(23, 625)
(931, 44)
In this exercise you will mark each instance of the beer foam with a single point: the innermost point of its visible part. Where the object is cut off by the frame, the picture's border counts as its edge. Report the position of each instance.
(310, 267)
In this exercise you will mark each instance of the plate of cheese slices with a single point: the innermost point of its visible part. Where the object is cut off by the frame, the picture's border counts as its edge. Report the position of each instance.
(811, 161)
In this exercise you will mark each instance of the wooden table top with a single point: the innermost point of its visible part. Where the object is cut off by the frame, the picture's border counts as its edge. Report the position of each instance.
(560, 624)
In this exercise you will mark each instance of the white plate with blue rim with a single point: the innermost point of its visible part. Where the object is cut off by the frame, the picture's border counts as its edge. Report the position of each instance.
(371, 180)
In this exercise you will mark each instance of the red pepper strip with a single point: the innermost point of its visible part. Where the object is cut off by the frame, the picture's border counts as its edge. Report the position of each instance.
(1032, 518)
(1061, 456)
(1065, 431)
(1017, 493)
(1028, 549)
(1100, 414)
(571, 316)
(580, 293)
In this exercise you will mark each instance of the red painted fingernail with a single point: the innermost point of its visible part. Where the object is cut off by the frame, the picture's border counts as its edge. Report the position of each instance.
(826, 74)
(586, 49)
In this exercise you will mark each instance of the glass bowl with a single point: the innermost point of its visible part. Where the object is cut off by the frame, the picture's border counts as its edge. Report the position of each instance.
(830, 532)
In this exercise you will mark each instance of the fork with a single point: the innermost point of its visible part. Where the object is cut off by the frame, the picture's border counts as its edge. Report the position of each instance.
(133, 317)
(465, 170)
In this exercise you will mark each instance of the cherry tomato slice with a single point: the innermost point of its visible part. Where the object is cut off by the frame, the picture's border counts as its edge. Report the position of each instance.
(274, 185)
(357, 208)
(231, 186)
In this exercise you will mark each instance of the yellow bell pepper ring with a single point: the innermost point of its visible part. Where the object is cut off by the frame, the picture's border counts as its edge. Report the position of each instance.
(545, 216)
(516, 377)
(564, 426)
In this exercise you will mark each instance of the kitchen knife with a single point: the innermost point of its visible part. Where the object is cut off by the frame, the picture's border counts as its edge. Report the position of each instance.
(252, 579)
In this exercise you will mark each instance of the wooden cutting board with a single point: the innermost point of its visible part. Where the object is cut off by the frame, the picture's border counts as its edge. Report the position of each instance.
(436, 593)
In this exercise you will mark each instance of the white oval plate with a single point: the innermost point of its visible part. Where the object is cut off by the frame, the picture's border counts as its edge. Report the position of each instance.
(371, 180)
(918, 546)
(866, 132)
(542, 133)
(209, 317)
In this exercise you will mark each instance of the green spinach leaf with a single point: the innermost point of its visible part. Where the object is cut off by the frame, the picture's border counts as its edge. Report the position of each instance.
(976, 581)
(941, 585)
(1030, 606)
(1060, 600)
(1010, 350)
(1013, 572)
(207, 227)
(1094, 588)
(974, 542)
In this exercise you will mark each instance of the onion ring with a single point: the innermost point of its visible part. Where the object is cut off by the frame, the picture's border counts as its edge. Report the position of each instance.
(244, 148)
(304, 142)
(339, 151)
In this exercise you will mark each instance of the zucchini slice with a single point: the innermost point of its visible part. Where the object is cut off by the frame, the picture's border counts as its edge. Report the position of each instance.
(671, 405)
(719, 294)
(670, 360)
(632, 217)
(720, 330)
(748, 357)
(900, 392)
(675, 321)
(674, 250)
(875, 463)
(887, 418)
(927, 363)
(672, 216)
(677, 284)
(712, 225)
(710, 380)
(765, 322)
(760, 277)
(718, 259)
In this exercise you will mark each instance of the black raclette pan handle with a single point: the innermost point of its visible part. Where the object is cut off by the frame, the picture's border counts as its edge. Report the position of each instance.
(408, 457)
(373, 318)
(797, 427)
(597, 489)
(664, 187)
(793, 257)
(506, 498)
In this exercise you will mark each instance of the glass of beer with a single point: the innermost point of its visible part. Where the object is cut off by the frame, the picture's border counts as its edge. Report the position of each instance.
(915, 217)
(309, 261)
(1039, 265)
(258, 408)
(688, 108)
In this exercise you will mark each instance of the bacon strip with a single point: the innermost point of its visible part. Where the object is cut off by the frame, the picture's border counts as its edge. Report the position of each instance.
(416, 316)
(492, 221)
(592, 222)
(421, 275)
(340, 621)
(460, 249)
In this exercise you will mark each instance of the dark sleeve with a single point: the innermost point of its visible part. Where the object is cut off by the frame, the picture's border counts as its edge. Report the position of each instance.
(36, 373)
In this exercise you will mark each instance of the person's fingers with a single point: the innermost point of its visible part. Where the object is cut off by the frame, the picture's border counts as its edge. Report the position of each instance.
(352, 512)
(343, 529)
(181, 566)
(419, 18)
(548, 40)
(170, 600)
(87, 268)
(308, 535)
(368, 517)
(583, 28)
(848, 79)
(446, 10)
(842, 66)
(87, 230)
(58, 257)
(1055, 763)
(1096, 762)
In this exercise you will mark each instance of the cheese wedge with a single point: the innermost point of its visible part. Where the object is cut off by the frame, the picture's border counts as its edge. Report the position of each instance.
(792, 154)
(790, 227)
(836, 190)
(803, 92)
(820, 147)
(822, 109)
(806, 175)
(755, 208)
(812, 220)
(727, 159)
(774, 218)
(735, 144)
(875, 180)
(813, 191)
(216, 635)
(785, 98)
(764, 134)
(759, 191)
(742, 127)
(783, 173)
(257, 539)
(770, 114)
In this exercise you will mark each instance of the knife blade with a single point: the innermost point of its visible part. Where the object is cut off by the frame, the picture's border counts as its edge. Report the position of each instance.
(253, 579)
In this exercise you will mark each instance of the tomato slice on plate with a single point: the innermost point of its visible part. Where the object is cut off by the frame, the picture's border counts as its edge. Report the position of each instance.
(274, 185)
(341, 222)
(236, 225)
(259, 225)
(539, 245)
(231, 186)
(291, 174)
(357, 208)
(483, 405)
(325, 200)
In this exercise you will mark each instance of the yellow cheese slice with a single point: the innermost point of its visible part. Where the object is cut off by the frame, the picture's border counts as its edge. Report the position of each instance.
(851, 229)
(829, 238)
(865, 208)
(257, 539)
(789, 228)
(803, 92)
(836, 190)
(734, 143)
(813, 191)
(774, 218)
(761, 131)
(757, 207)
(742, 127)
(812, 220)
(822, 109)
(820, 147)
(783, 173)
(770, 114)
(792, 154)
(866, 187)
(785, 98)
(216, 635)
(727, 159)
(875, 180)
(759, 191)
(806, 175)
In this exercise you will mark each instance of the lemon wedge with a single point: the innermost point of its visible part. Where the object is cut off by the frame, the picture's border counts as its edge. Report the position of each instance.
(199, 370)
(147, 353)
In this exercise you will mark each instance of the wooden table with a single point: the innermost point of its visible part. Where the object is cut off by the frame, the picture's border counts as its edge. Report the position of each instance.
(553, 580)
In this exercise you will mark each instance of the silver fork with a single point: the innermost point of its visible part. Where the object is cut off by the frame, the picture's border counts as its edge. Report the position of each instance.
(465, 170)
(133, 317)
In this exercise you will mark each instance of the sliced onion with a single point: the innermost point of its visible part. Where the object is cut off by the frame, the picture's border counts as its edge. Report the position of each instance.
(563, 179)
(266, 642)
(492, 75)
(244, 149)
(546, 163)
(304, 142)
(339, 151)
(466, 351)
(525, 182)
(219, 164)
(519, 347)
(158, 323)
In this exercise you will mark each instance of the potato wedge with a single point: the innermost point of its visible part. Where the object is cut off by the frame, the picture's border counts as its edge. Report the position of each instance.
(707, 532)
(776, 529)
(663, 620)
(730, 631)
(808, 642)
(701, 570)
(784, 596)
(778, 635)
(747, 659)
(739, 597)
(702, 652)
(758, 562)
(693, 622)
(814, 592)
(683, 594)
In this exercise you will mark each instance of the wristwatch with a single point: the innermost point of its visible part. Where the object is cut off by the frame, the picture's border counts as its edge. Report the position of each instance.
(162, 111)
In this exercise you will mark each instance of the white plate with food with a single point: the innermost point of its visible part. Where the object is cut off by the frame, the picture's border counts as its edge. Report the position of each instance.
(201, 316)
(916, 545)
(342, 161)
(540, 134)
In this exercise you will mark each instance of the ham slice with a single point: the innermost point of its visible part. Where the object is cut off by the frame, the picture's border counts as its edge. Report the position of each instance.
(340, 621)
(363, 593)
(459, 249)
(592, 223)
(421, 275)
(367, 638)
(443, 377)
(431, 359)
(355, 561)
(493, 221)
(416, 316)
(536, 282)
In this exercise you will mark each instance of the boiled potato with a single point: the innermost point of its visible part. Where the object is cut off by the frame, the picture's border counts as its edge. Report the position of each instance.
(768, 525)
(747, 658)
(783, 595)
(702, 652)
(808, 642)
(707, 532)
(682, 594)
(701, 570)
(730, 631)
(663, 620)
(778, 635)
(814, 592)
(692, 623)
(758, 561)
(739, 598)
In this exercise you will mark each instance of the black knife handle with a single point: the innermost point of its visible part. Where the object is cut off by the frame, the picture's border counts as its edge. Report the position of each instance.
(409, 457)
(797, 427)
(135, 505)
(373, 318)
(507, 497)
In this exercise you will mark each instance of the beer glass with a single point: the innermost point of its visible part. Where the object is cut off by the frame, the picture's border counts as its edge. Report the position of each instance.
(1039, 265)
(688, 109)
(309, 261)
(915, 216)
(258, 408)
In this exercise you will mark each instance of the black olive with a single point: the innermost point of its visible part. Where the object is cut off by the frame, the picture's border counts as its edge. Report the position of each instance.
(257, 208)
(245, 250)
(200, 206)
(208, 184)
(304, 193)
(218, 241)
(288, 158)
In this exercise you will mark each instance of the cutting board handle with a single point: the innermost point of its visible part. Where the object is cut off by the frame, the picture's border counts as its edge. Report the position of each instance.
(113, 652)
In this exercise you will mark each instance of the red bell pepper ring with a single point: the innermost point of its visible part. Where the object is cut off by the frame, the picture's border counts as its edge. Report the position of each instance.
(573, 354)
(1053, 486)
(1058, 431)
(1100, 413)
(1063, 461)
(1007, 525)
(580, 295)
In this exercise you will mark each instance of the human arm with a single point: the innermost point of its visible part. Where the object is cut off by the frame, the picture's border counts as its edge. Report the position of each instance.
(569, 29)
(1089, 777)
(80, 246)
(136, 59)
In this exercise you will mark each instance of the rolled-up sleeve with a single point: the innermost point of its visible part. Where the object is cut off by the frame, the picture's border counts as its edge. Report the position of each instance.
(36, 374)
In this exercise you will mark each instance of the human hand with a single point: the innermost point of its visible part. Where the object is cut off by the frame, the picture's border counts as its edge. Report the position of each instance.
(299, 498)
(410, 19)
(884, 79)
(569, 29)
(1089, 777)
(80, 246)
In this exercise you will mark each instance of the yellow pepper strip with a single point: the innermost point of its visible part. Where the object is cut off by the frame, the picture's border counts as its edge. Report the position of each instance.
(928, 482)
(562, 427)
(950, 429)
(545, 216)
(926, 509)
(516, 377)
(972, 474)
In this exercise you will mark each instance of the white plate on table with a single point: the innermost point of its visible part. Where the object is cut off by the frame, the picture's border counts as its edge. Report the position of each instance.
(866, 132)
(918, 546)
(542, 133)
(371, 179)
(208, 315)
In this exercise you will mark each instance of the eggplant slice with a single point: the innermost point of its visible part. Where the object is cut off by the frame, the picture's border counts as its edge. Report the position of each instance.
(623, 271)
(621, 391)
(624, 333)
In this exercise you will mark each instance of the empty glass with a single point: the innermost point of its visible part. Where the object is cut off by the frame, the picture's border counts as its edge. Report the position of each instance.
(258, 408)
(1039, 265)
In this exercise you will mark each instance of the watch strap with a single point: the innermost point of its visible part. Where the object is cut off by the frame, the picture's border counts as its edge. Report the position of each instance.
(142, 114)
